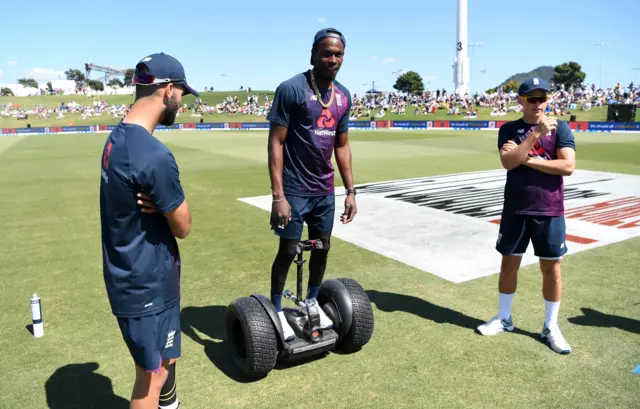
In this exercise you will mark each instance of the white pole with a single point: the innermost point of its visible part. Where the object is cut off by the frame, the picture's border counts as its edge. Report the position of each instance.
(461, 62)
(601, 45)
(471, 48)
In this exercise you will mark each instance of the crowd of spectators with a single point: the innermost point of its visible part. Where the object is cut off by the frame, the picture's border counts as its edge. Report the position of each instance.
(371, 105)
(63, 109)
(253, 105)
(379, 105)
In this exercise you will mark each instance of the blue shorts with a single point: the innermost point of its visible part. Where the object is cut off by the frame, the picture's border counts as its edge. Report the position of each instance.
(316, 211)
(154, 338)
(546, 233)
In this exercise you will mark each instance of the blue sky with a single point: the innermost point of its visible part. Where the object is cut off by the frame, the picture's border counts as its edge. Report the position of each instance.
(261, 43)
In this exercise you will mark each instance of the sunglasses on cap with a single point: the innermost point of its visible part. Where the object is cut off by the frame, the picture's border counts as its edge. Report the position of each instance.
(149, 79)
(537, 99)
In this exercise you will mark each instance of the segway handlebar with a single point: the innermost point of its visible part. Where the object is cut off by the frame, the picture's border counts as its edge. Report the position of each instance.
(308, 245)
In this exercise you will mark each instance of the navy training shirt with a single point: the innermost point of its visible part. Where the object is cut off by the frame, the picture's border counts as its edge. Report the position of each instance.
(311, 134)
(527, 190)
(141, 261)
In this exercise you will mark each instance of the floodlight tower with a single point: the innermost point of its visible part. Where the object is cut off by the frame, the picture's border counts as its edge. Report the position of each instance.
(461, 62)
(109, 72)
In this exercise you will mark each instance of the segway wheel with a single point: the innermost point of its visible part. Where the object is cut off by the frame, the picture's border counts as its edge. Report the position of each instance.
(361, 329)
(252, 338)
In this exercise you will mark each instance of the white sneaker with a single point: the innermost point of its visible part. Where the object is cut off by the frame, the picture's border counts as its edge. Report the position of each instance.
(556, 341)
(325, 321)
(286, 328)
(495, 326)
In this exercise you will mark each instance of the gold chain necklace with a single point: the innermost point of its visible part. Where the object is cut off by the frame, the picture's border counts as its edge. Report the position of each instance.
(317, 91)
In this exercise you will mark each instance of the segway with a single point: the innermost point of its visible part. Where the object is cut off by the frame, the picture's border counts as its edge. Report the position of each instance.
(254, 330)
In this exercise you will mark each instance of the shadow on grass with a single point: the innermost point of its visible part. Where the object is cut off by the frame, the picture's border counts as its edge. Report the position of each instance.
(77, 386)
(390, 302)
(211, 322)
(595, 318)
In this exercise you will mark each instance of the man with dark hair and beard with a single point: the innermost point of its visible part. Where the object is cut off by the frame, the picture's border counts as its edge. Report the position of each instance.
(142, 211)
(309, 122)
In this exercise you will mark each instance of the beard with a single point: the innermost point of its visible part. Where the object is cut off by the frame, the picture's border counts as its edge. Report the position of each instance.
(170, 112)
(327, 75)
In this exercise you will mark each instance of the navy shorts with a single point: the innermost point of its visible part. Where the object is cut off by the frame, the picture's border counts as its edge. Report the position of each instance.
(154, 338)
(316, 211)
(546, 233)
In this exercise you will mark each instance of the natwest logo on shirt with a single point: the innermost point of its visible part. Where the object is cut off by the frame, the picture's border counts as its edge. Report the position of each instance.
(324, 132)
(326, 119)
(537, 151)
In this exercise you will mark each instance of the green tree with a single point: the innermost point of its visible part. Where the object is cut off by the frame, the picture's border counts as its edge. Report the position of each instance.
(49, 87)
(410, 82)
(77, 76)
(512, 85)
(568, 74)
(115, 83)
(28, 82)
(6, 92)
(95, 85)
(128, 76)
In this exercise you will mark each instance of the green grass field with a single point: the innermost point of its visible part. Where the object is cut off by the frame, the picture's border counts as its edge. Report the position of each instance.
(424, 352)
(595, 114)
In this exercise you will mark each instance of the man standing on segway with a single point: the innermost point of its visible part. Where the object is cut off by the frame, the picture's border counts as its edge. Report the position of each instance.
(309, 121)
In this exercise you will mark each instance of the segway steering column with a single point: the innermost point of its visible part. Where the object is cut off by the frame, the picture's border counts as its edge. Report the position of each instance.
(312, 330)
(302, 246)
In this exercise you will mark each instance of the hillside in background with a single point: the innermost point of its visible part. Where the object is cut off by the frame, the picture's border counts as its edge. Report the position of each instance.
(544, 71)
(50, 101)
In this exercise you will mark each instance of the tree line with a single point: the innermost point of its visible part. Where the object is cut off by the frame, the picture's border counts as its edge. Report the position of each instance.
(567, 74)
(80, 79)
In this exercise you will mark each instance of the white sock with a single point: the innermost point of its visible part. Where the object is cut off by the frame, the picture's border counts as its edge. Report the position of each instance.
(282, 317)
(505, 305)
(551, 309)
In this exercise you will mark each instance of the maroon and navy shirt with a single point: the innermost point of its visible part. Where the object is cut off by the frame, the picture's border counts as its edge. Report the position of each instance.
(529, 191)
(311, 134)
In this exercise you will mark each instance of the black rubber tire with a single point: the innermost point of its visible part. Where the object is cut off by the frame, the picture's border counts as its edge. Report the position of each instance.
(361, 329)
(252, 338)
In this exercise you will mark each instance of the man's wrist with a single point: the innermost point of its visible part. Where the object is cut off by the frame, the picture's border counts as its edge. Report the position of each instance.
(534, 136)
(277, 195)
(351, 191)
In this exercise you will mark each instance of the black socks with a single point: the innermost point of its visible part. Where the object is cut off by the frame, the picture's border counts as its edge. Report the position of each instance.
(168, 394)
